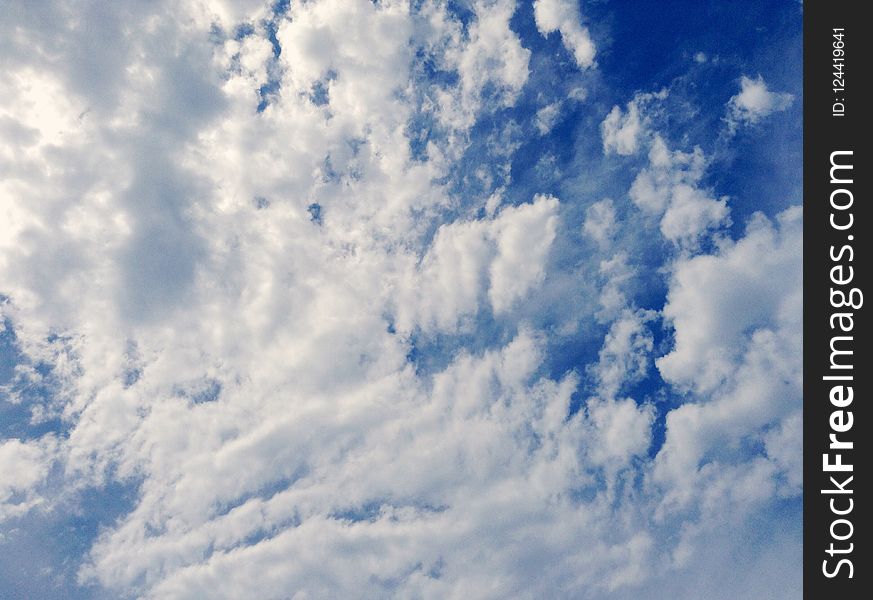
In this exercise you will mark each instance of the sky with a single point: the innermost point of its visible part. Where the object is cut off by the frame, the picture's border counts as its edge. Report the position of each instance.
(419, 299)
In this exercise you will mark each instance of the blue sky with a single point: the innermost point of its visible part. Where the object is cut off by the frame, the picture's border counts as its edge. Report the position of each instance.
(433, 299)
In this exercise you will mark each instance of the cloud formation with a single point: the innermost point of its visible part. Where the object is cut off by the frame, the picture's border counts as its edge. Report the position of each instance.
(754, 102)
(668, 189)
(563, 16)
(624, 131)
(366, 299)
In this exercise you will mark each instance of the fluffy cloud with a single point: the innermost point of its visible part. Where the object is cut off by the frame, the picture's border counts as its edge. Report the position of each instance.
(25, 466)
(524, 237)
(622, 430)
(624, 357)
(736, 316)
(563, 16)
(327, 39)
(717, 302)
(754, 102)
(501, 259)
(623, 131)
(491, 63)
(615, 274)
(669, 188)
(491, 438)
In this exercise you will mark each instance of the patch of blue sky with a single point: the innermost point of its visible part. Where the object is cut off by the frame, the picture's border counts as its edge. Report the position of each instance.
(280, 7)
(368, 511)
(461, 10)
(25, 387)
(266, 491)
(422, 127)
(9, 352)
(202, 391)
(432, 353)
(268, 92)
(764, 166)
(760, 168)
(372, 510)
(643, 47)
(42, 551)
(16, 421)
(243, 31)
(320, 94)
(271, 25)
(314, 211)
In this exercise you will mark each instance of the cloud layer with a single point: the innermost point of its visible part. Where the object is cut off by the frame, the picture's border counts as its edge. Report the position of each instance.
(352, 299)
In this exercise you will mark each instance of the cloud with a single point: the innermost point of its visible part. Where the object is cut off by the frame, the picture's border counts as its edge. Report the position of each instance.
(364, 49)
(524, 237)
(490, 430)
(755, 102)
(623, 132)
(288, 296)
(624, 357)
(25, 466)
(622, 430)
(546, 117)
(736, 316)
(489, 55)
(475, 262)
(620, 131)
(563, 16)
(669, 188)
(600, 221)
(716, 302)
(616, 273)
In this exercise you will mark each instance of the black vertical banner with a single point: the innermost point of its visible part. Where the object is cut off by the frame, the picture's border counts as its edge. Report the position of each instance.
(837, 371)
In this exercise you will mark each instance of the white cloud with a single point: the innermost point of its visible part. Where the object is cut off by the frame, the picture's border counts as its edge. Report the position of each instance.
(24, 465)
(546, 117)
(229, 13)
(524, 236)
(600, 221)
(490, 444)
(622, 431)
(563, 16)
(624, 357)
(497, 260)
(736, 316)
(754, 102)
(621, 131)
(668, 188)
(784, 445)
(448, 286)
(365, 48)
(624, 132)
(490, 54)
(691, 212)
(616, 273)
(710, 301)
